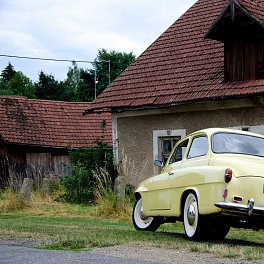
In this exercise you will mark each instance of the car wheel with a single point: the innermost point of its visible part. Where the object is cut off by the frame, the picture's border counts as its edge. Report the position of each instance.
(193, 222)
(219, 230)
(142, 222)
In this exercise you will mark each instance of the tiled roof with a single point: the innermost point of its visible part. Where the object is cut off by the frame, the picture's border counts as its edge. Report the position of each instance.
(50, 123)
(181, 66)
(256, 8)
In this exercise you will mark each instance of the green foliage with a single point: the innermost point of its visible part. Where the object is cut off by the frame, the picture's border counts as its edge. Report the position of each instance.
(81, 85)
(86, 86)
(48, 88)
(6, 92)
(71, 84)
(3, 85)
(119, 61)
(8, 73)
(22, 85)
(16, 83)
(81, 186)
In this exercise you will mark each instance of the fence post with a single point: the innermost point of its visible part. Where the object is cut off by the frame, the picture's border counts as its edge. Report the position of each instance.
(46, 187)
(120, 191)
(25, 191)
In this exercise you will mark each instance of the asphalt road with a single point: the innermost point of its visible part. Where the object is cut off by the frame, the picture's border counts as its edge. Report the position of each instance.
(24, 255)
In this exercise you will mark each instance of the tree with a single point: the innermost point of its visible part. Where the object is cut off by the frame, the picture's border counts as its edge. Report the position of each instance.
(8, 73)
(48, 88)
(86, 91)
(72, 83)
(3, 88)
(20, 84)
(119, 61)
(85, 84)
(79, 85)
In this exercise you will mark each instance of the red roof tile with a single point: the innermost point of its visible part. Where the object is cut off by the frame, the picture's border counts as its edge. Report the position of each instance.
(50, 123)
(181, 66)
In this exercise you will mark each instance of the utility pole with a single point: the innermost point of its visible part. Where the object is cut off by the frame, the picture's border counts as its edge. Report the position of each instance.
(95, 82)
(109, 72)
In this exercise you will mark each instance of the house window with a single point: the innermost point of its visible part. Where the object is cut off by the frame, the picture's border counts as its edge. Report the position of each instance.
(163, 142)
(166, 146)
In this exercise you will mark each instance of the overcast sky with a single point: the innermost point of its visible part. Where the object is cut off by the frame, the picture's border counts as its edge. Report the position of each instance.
(77, 29)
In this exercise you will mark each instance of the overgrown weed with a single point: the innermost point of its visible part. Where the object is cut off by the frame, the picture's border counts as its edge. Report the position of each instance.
(106, 197)
(9, 201)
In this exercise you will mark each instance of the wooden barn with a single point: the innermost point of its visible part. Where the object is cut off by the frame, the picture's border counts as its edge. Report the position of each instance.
(35, 136)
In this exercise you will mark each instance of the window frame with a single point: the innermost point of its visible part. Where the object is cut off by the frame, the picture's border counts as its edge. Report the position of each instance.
(161, 133)
(233, 153)
(191, 143)
(174, 149)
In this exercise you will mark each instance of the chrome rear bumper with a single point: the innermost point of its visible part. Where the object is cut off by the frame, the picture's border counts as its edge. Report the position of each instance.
(249, 209)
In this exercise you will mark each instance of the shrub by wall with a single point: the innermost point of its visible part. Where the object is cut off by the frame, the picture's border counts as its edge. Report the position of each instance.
(80, 187)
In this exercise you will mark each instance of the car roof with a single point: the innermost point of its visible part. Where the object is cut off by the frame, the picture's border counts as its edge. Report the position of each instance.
(211, 131)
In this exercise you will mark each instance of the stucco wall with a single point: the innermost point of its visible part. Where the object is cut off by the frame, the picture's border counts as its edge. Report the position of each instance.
(135, 134)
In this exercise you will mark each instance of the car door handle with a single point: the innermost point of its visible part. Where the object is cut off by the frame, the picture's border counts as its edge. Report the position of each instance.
(170, 172)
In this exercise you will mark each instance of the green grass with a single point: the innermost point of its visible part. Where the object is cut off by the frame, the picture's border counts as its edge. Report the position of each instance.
(83, 231)
(64, 226)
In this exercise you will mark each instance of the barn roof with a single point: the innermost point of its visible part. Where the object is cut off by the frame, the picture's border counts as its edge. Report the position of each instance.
(50, 123)
(182, 66)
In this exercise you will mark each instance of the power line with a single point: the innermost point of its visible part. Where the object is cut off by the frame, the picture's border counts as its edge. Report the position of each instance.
(43, 59)
(58, 60)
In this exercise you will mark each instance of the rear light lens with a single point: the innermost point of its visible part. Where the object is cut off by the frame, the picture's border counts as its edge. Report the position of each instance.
(237, 199)
(225, 193)
(228, 175)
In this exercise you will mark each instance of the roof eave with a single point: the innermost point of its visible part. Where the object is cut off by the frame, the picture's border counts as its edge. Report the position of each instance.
(184, 103)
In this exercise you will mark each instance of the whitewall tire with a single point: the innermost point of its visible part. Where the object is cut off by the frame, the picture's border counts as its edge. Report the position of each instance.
(142, 222)
(193, 224)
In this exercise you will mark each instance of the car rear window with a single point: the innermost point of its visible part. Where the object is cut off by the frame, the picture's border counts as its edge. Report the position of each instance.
(238, 144)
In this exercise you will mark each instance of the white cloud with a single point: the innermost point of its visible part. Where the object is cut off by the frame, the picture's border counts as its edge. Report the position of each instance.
(78, 29)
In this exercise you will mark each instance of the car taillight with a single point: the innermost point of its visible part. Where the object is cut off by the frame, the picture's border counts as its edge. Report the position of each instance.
(228, 175)
(225, 193)
(237, 199)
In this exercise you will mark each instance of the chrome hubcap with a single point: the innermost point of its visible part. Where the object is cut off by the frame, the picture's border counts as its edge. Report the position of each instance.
(191, 214)
(142, 216)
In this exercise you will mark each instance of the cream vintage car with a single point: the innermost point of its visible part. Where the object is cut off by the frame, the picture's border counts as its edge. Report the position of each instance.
(213, 180)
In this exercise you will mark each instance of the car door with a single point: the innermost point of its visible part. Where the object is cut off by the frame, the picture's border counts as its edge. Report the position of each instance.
(160, 194)
(193, 168)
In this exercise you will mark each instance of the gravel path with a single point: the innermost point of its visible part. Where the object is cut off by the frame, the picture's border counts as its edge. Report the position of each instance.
(165, 256)
(137, 254)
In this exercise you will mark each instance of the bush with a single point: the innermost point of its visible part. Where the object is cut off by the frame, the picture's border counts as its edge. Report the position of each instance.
(81, 186)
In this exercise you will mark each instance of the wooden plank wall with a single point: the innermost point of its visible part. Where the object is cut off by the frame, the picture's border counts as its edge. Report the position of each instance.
(47, 165)
(61, 165)
(244, 60)
(18, 162)
(38, 166)
(12, 165)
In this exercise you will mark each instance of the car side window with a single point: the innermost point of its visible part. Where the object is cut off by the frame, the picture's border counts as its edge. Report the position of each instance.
(178, 152)
(199, 147)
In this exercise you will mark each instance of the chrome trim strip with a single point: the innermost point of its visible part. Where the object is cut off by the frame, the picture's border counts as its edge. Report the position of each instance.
(249, 209)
